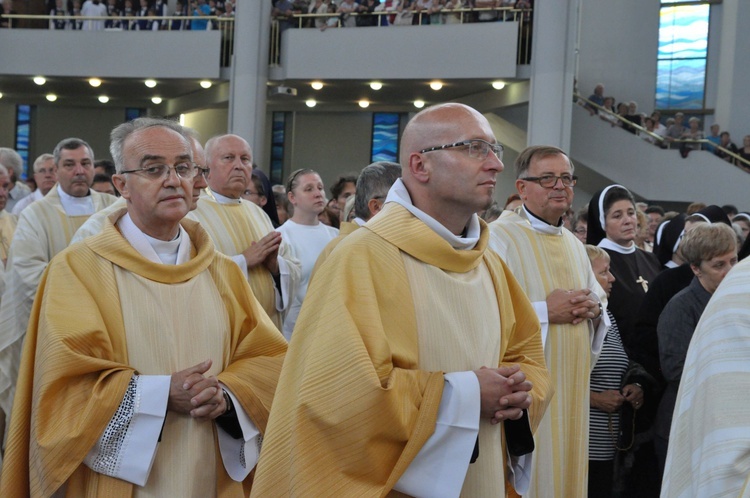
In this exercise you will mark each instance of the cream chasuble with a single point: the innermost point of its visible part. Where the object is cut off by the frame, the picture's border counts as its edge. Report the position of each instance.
(43, 231)
(709, 442)
(355, 404)
(79, 359)
(8, 224)
(444, 318)
(543, 262)
(233, 228)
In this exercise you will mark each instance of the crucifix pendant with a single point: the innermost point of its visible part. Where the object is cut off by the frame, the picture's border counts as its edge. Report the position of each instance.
(643, 282)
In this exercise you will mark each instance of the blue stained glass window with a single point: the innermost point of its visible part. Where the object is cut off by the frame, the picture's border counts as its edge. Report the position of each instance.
(23, 126)
(683, 48)
(384, 136)
(277, 148)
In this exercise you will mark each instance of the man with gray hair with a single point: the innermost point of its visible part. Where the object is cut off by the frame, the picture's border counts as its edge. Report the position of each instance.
(147, 350)
(373, 184)
(8, 221)
(45, 176)
(18, 190)
(44, 229)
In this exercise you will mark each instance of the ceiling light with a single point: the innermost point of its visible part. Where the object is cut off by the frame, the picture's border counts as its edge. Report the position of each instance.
(182, 120)
(51, 97)
(436, 85)
(498, 85)
(156, 100)
(316, 85)
(310, 103)
(95, 82)
(419, 104)
(150, 83)
(364, 104)
(376, 85)
(103, 99)
(39, 80)
(1, 95)
(206, 84)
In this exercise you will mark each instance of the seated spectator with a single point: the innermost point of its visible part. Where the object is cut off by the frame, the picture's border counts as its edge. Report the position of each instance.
(436, 15)
(179, 11)
(58, 10)
(113, 13)
(692, 133)
(486, 15)
(387, 6)
(597, 98)
(76, 24)
(744, 152)
(345, 9)
(609, 117)
(714, 137)
(725, 142)
(128, 11)
(676, 130)
(200, 8)
(649, 125)
(659, 128)
(422, 9)
(404, 13)
(143, 25)
(323, 7)
(633, 117)
(622, 112)
(366, 9)
(452, 17)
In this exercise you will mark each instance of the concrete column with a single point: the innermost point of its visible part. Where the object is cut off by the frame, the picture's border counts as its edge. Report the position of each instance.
(732, 108)
(553, 68)
(249, 75)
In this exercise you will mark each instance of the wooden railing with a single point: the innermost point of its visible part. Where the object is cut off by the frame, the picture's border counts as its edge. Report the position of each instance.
(662, 142)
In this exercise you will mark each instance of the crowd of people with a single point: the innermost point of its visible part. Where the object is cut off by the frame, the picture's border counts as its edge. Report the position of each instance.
(670, 133)
(114, 10)
(206, 325)
(394, 12)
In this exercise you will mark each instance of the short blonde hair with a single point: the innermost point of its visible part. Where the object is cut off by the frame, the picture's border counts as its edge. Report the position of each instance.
(596, 252)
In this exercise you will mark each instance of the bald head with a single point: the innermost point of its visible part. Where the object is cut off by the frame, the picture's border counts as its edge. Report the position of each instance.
(454, 182)
(230, 161)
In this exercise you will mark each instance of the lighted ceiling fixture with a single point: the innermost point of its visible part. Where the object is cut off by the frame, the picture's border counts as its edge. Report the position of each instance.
(436, 85)
(498, 85)
(376, 85)
(156, 100)
(364, 104)
(103, 99)
(419, 104)
(1, 95)
(206, 84)
(40, 80)
(95, 82)
(317, 85)
(310, 103)
(51, 97)
(150, 83)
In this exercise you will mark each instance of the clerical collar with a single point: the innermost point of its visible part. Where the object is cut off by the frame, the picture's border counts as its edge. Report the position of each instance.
(222, 199)
(542, 226)
(467, 240)
(76, 206)
(172, 252)
(608, 244)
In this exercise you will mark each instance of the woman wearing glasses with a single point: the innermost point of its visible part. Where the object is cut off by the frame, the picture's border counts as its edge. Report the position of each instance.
(304, 233)
(612, 226)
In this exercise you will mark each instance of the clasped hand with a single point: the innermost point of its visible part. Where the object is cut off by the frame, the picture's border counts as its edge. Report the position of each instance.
(504, 392)
(265, 251)
(571, 306)
(192, 393)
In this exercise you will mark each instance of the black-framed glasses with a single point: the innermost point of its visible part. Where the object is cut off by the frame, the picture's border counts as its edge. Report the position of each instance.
(549, 181)
(185, 170)
(477, 147)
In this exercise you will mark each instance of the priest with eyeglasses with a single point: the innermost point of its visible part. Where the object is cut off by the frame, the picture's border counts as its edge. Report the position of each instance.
(149, 367)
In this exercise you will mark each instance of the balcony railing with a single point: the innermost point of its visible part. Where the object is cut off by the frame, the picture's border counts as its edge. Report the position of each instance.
(662, 142)
(453, 16)
(166, 23)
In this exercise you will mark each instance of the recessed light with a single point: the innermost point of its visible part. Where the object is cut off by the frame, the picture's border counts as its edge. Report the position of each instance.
(156, 100)
(419, 104)
(376, 85)
(310, 103)
(316, 85)
(103, 99)
(95, 82)
(436, 85)
(150, 83)
(498, 85)
(51, 97)
(206, 84)
(364, 104)
(1, 95)
(40, 80)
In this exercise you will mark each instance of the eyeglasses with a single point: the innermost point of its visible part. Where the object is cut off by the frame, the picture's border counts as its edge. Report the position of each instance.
(185, 170)
(202, 171)
(549, 181)
(478, 148)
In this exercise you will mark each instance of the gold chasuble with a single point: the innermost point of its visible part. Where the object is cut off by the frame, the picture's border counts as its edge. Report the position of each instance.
(363, 377)
(233, 228)
(8, 224)
(346, 228)
(543, 262)
(106, 313)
